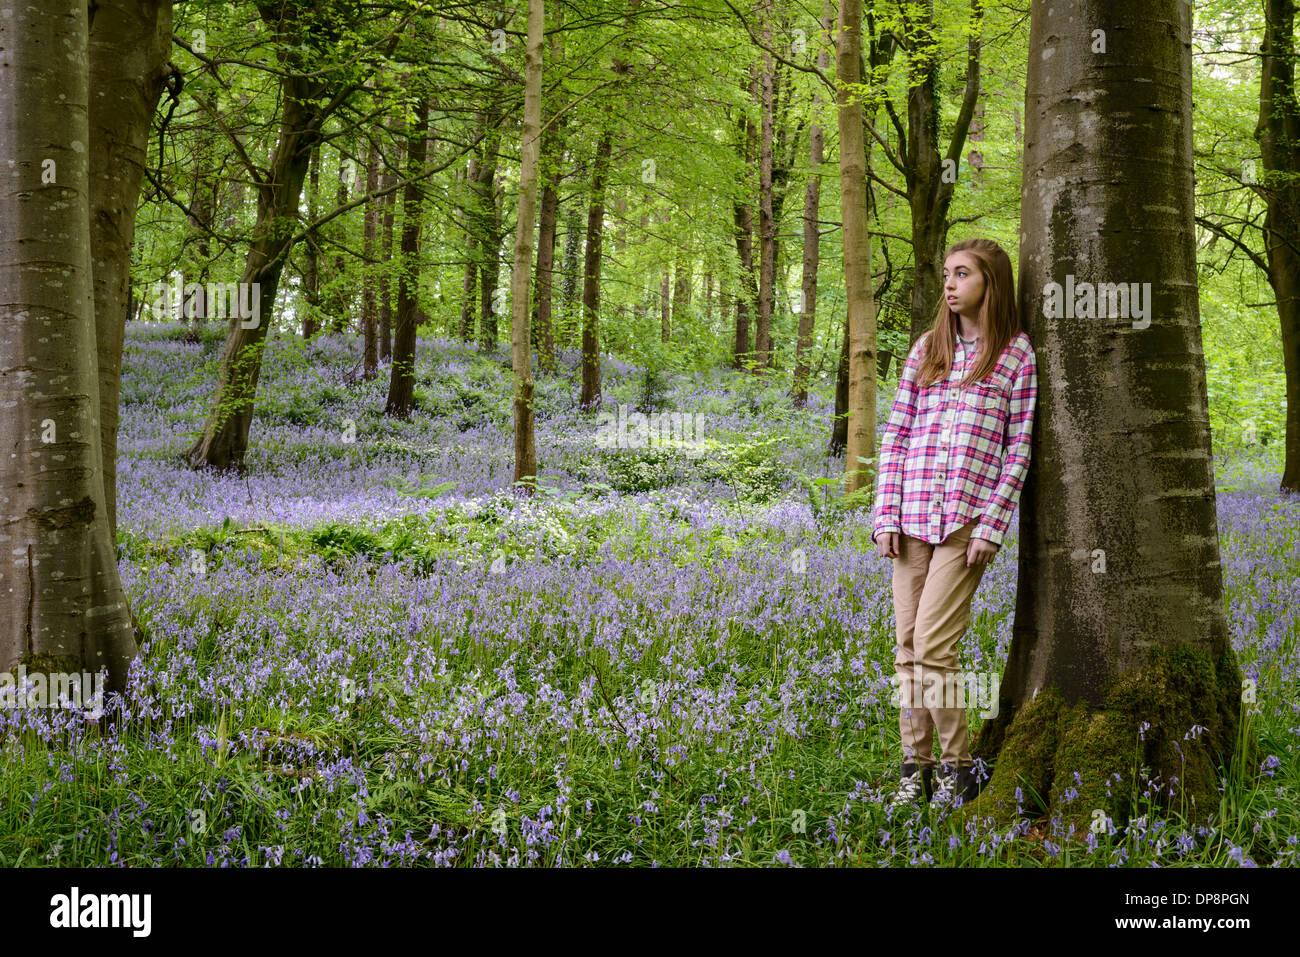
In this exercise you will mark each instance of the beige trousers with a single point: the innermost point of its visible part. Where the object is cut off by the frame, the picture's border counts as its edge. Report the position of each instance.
(933, 589)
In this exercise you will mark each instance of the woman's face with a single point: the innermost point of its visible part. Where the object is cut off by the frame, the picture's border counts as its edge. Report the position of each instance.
(963, 285)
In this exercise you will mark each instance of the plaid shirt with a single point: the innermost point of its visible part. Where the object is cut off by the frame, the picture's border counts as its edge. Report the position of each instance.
(951, 455)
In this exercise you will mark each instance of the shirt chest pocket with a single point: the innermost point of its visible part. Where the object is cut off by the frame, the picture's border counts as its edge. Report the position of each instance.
(984, 413)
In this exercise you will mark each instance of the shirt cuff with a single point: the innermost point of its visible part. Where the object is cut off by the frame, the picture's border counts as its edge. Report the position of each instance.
(883, 528)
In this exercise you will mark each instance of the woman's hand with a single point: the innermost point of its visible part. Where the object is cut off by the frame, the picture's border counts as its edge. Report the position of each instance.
(888, 544)
(980, 552)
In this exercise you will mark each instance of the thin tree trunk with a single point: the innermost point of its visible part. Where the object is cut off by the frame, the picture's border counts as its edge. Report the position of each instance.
(840, 429)
(469, 286)
(385, 287)
(370, 302)
(572, 252)
(681, 294)
(766, 220)
(340, 301)
(521, 360)
(591, 277)
(490, 300)
(401, 383)
(549, 217)
(811, 234)
(311, 272)
(665, 309)
(857, 252)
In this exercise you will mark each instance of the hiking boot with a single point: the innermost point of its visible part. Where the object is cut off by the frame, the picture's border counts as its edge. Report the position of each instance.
(946, 785)
(969, 785)
(956, 781)
(914, 786)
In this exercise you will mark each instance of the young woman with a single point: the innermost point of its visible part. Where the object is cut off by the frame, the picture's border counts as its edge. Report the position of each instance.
(952, 463)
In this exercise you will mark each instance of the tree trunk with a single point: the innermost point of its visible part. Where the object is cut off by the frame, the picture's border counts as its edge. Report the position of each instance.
(340, 301)
(840, 428)
(591, 277)
(766, 220)
(204, 194)
(1278, 133)
(665, 309)
(857, 252)
(811, 235)
(63, 610)
(385, 290)
(1120, 639)
(681, 295)
(546, 226)
(401, 382)
(744, 220)
(370, 301)
(469, 286)
(521, 360)
(489, 235)
(129, 42)
(225, 433)
(931, 180)
(572, 251)
(311, 271)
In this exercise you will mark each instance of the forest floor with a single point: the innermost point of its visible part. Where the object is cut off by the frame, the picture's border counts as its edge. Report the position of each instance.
(364, 652)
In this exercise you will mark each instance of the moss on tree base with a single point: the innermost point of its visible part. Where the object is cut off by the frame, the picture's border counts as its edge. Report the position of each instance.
(1173, 722)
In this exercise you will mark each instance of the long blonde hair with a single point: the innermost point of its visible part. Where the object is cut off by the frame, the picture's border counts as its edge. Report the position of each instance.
(999, 317)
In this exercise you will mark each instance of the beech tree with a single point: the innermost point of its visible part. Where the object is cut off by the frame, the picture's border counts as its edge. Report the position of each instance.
(857, 247)
(63, 608)
(521, 340)
(1120, 642)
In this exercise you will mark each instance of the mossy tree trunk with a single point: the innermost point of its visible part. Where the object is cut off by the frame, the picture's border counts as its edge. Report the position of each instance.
(1120, 658)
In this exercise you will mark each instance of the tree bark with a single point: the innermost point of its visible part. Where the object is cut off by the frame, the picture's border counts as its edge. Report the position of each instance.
(311, 271)
(340, 300)
(62, 608)
(665, 309)
(811, 234)
(573, 237)
(591, 397)
(1278, 132)
(1120, 639)
(840, 428)
(857, 251)
(521, 360)
(931, 179)
(225, 433)
(129, 42)
(489, 239)
(469, 286)
(387, 181)
(551, 159)
(401, 382)
(370, 300)
(766, 219)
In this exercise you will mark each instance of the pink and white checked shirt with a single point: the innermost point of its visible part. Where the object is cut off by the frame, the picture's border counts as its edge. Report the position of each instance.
(950, 455)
